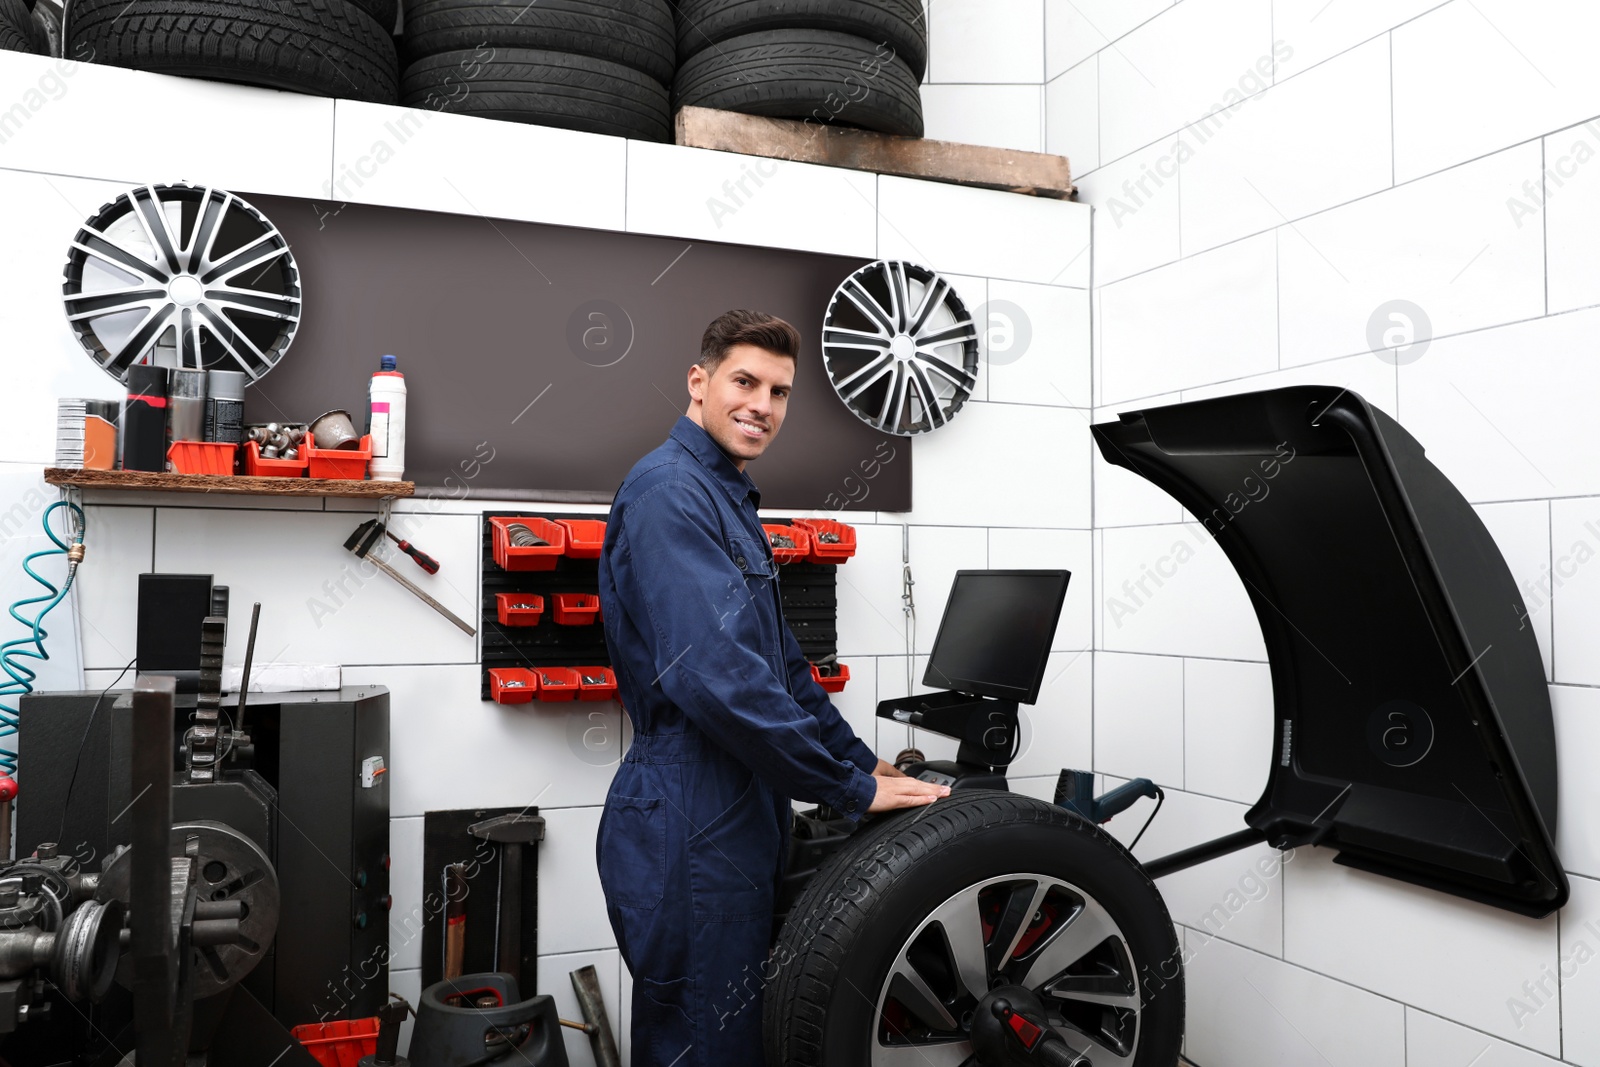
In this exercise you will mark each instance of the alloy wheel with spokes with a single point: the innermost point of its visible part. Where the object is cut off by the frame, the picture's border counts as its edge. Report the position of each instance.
(901, 348)
(182, 276)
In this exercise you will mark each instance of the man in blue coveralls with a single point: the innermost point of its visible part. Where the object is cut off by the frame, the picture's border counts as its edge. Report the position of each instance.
(728, 723)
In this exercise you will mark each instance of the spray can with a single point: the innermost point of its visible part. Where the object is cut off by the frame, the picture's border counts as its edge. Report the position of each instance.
(224, 406)
(387, 422)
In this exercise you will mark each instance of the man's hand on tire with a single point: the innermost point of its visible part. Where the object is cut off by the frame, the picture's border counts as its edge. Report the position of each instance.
(895, 790)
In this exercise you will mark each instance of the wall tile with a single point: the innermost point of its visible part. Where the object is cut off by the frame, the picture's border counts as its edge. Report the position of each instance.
(1218, 321)
(1319, 140)
(1004, 465)
(1121, 497)
(1058, 729)
(1580, 978)
(1571, 195)
(1315, 30)
(1522, 531)
(1445, 955)
(1435, 1042)
(408, 917)
(555, 980)
(1501, 411)
(1139, 717)
(1001, 116)
(1200, 608)
(1051, 550)
(1072, 116)
(983, 232)
(1037, 345)
(451, 750)
(1446, 111)
(695, 193)
(117, 549)
(1577, 722)
(937, 552)
(1445, 244)
(435, 161)
(55, 96)
(986, 41)
(567, 874)
(1228, 726)
(858, 702)
(1249, 1010)
(1195, 58)
(1077, 30)
(319, 603)
(1136, 206)
(1366, 375)
(868, 589)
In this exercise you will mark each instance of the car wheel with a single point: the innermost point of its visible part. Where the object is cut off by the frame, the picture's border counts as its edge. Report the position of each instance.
(908, 937)
(634, 33)
(819, 75)
(18, 32)
(321, 47)
(545, 88)
(899, 24)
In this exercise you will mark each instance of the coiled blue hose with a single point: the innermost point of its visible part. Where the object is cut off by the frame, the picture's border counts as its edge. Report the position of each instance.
(32, 646)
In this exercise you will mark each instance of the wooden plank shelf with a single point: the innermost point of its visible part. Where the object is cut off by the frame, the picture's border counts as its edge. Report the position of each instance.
(225, 483)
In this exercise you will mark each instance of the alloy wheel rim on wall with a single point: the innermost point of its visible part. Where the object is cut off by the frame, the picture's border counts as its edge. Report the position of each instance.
(185, 276)
(900, 347)
(1062, 946)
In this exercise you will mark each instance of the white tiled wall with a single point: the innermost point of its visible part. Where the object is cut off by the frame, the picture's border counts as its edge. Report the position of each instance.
(1440, 153)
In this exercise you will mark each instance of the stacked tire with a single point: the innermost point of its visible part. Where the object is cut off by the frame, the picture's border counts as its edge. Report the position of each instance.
(341, 48)
(599, 66)
(19, 31)
(845, 62)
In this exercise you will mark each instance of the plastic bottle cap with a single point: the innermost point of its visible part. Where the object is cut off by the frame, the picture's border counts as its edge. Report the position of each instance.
(388, 363)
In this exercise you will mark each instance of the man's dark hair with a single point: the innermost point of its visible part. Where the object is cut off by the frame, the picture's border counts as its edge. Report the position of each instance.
(747, 328)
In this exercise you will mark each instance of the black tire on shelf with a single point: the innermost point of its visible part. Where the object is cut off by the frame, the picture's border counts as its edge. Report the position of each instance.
(830, 971)
(820, 75)
(634, 33)
(17, 30)
(321, 47)
(899, 24)
(544, 88)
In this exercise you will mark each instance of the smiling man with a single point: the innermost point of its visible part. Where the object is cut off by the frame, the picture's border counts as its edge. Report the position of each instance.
(729, 725)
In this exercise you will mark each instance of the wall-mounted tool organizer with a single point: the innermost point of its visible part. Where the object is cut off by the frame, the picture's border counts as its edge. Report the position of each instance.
(542, 638)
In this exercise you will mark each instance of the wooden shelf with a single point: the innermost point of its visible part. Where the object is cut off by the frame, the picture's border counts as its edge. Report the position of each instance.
(225, 483)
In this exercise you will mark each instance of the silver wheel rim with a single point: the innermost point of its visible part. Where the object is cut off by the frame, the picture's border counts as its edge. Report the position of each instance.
(1032, 930)
(182, 276)
(900, 347)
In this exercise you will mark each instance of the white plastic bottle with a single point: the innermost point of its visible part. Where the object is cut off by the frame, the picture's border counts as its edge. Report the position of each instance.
(388, 422)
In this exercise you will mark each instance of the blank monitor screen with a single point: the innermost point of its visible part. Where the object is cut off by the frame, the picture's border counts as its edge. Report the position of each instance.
(995, 636)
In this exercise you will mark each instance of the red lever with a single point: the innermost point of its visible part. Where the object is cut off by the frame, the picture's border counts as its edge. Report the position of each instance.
(1026, 1032)
(8, 788)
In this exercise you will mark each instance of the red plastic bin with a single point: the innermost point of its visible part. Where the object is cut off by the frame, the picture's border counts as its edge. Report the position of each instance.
(831, 683)
(257, 467)
(512, 685)
(340, 1043)
(344, 464)
(518, 609)
(558, 683)
(533, 557)
(826, 552)
(798, 534)
(576, 609)
(604, 689)
(202, 457)
(585, 537)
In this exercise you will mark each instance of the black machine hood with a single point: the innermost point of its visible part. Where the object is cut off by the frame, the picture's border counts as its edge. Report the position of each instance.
(1413, 724)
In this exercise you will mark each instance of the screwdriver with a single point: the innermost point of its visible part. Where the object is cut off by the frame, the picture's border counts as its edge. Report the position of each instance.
(425, 561)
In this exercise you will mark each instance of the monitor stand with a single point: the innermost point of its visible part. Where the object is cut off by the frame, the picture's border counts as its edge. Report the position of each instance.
(986, 727)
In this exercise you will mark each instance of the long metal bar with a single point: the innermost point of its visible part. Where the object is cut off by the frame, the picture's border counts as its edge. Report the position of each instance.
(150, 889)
(1206, 850)
(426, 599)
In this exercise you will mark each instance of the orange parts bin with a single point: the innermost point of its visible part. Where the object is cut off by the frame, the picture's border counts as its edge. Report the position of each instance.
(576, 609)
(558, 683)
(202, 457)
(832, 683)
(831, 542)
(257, 467)
(340, 1043)
(585, 537)
(518, 609)
(514, 557)
(596, 683)
(788, 553)
(512, 685)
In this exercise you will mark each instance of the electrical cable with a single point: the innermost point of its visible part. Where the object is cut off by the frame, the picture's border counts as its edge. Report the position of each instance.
(20, 675)
(66, 803)
(1160, 796)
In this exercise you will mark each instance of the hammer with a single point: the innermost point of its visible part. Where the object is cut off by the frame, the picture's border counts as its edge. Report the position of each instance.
(511, 833)
(367, 535)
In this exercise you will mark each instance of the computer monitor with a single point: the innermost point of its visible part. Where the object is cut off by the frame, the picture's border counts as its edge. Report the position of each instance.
(994, 639)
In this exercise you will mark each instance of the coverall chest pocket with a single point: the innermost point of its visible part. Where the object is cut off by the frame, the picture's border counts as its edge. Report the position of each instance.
(747, 608)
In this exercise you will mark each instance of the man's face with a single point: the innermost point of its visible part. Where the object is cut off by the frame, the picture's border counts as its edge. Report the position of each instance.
(741, 404)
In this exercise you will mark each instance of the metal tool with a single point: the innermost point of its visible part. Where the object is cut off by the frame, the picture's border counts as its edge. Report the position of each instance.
(249, 657)
(425, 561)
(511, 833)
(390, 1018)
(361, 543)
(586, 985)
(455, 919)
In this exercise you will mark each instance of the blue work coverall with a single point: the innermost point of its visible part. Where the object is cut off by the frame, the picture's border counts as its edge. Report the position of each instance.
(728, 726)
